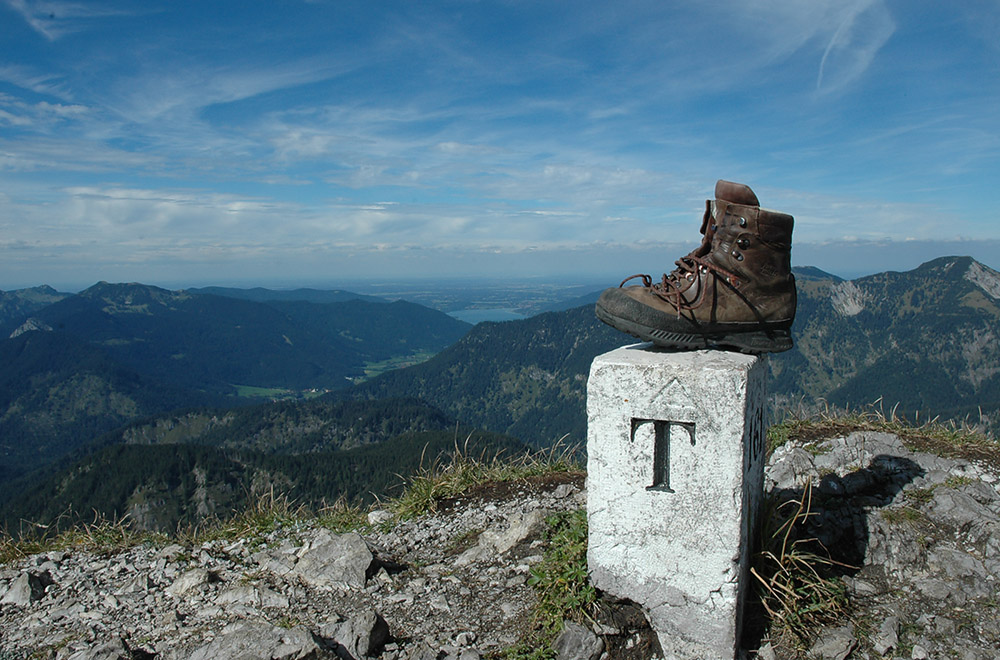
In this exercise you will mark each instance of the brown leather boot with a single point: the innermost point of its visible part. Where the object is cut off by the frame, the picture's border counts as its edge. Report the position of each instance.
(736, 291)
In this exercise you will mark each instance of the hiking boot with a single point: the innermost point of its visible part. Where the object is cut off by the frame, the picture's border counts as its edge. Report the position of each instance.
(735, 291)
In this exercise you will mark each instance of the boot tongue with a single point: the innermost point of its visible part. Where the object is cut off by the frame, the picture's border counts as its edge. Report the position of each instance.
(735, 193)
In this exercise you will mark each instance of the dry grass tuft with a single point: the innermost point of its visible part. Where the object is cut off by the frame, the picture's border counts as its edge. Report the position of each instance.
(103, 535)
(796, 588)
(459, 471)
(266, 514)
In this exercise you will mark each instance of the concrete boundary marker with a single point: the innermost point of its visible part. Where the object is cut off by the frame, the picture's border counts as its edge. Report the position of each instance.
(675, 444)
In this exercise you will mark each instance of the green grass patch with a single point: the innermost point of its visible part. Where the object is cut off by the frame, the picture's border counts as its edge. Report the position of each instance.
(279, 393)
(956, 482)
(373, 369)
(560, 580)
(945, 438)
(920, 495)
(902, 514)
(561, 585)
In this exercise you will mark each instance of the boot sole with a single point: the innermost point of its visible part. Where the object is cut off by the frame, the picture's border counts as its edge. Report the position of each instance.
(753, 342)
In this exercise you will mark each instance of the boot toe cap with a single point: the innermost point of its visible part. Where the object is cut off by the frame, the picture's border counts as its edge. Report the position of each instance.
(626, 304)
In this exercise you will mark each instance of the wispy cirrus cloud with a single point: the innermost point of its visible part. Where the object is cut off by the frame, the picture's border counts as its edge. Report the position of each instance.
(863, 29)
(27, 77)
(54, 19)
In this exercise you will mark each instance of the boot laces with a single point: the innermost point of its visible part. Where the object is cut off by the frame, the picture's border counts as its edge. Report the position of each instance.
(690, 269)
(689, 272)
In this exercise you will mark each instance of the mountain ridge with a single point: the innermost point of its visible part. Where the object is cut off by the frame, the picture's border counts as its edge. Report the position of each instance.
(926, 338)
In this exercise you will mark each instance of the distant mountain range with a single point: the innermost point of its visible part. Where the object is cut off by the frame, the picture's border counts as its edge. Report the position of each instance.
(116, 355)
(77, 366)
(215, 343)
(259, 294)
(927, 340)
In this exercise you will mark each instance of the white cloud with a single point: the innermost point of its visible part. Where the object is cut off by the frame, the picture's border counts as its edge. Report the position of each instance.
(41, 116)
(861, 32)
(171, 87)
(29, 78)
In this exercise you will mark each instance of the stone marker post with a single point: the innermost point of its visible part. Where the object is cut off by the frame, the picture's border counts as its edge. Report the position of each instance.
(675, 444)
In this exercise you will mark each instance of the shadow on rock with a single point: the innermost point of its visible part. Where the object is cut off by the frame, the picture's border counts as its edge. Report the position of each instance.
(831, 521)
(838, 516)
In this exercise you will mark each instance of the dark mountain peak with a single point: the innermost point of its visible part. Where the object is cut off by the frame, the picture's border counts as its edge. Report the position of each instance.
(814, 274)
(103, 288)
(953, 265)
(962, 271)
(260, 294)
(132, 297)
(35, 294)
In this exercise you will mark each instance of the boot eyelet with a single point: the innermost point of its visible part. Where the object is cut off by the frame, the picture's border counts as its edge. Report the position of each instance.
(744, 243)
(737, 256)
(743, 221)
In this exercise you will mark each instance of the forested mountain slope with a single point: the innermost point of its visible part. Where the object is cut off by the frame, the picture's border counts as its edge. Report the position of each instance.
(522, 378)
(58, 393)
(88, 363)
(926, 339)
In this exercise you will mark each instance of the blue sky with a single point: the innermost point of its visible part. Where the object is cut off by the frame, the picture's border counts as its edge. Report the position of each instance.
(281, 141)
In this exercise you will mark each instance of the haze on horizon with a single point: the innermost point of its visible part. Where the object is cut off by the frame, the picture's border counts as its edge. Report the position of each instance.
(315, 141)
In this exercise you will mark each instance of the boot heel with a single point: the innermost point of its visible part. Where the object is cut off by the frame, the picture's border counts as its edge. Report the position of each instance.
(773, 341)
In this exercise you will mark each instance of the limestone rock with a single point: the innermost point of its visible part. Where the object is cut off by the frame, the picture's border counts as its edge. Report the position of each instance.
(253, 596)
(888, 636)
(379, 516)
(358, 637)
(27, 588)
(188, 581)
(328, 560)
(835, 644)
(253, 640)
(500, 539)
(113, 650)
(577, 642)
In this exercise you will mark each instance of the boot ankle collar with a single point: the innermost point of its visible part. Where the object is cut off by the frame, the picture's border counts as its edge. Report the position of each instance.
(737, 193)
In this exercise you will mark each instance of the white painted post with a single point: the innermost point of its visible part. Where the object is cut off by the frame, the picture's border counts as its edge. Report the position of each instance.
(675, 471)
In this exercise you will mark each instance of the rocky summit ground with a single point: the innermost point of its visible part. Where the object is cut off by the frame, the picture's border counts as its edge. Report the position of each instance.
(915, 538)
(449, 583)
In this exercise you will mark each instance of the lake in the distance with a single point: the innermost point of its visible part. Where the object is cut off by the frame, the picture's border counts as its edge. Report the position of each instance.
(474, 316)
